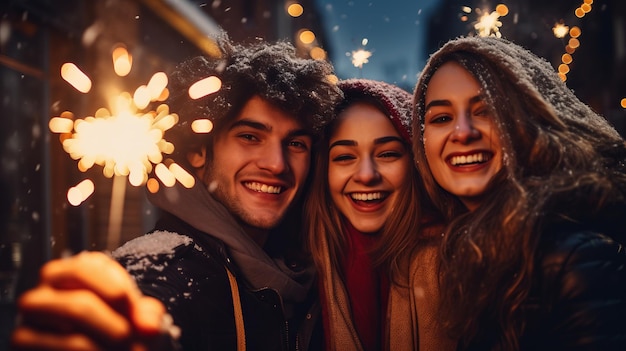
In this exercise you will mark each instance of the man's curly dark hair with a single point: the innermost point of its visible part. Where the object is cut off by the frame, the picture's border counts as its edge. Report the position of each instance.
(298, 86)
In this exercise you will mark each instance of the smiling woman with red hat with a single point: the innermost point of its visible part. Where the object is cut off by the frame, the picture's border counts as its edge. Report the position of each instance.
(364, 179)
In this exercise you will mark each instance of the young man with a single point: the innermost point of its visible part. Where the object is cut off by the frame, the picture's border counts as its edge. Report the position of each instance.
(224, 256)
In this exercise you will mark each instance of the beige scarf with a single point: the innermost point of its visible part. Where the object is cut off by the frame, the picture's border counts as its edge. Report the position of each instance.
(407, 329)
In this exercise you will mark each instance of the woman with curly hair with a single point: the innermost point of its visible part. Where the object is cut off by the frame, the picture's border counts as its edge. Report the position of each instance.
(531, 183)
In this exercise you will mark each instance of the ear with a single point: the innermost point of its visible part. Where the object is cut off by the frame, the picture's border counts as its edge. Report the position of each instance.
(197, 158)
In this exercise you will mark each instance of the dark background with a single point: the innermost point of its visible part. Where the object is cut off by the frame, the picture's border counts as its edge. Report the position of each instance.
(38, 36)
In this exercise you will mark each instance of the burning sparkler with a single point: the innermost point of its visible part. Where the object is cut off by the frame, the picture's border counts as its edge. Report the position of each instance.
(361, 56)
(125, 140)
(489, 22)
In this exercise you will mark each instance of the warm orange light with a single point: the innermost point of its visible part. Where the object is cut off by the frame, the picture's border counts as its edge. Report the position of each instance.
(333, 79)
(122, 61)
(295, 10)
(73, 75)
(156, 85)
(204, 87)
(152, 185)
(186, 179)
(574, 43)
(318, 53)
(579, 13)
(61, 125)
(202, 126)
(575, 32)
(306, 36)
(623, 102)
(141, 98)
(502, 10)
(563, 68)
(566, 59)
(164, 174)
(79, 193)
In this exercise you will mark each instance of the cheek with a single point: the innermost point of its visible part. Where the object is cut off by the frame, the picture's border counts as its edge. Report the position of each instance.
(335, 179)
(429, 149)
(300, 165)
(399, 173)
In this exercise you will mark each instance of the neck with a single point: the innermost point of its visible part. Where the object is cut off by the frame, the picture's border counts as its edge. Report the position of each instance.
(259, 235)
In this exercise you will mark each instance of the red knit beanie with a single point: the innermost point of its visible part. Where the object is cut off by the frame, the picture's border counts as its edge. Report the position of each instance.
(396, 101)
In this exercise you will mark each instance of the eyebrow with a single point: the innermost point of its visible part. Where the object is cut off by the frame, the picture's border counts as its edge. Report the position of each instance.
(266, 128)
(473, 100)
(377, 141)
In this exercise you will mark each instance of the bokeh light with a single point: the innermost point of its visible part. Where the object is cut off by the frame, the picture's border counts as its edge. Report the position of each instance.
(295, 9)
(73, 75)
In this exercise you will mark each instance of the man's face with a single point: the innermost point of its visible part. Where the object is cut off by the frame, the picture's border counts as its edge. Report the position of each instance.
(260, 162)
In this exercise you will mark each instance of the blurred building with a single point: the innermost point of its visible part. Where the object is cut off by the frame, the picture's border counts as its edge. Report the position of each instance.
(597, 72)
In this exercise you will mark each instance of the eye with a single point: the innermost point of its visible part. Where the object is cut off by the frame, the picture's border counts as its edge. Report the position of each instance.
(481, 112)
(298, 145)
(391, 154)
(247, 137)
(439, 119)
(343, 158)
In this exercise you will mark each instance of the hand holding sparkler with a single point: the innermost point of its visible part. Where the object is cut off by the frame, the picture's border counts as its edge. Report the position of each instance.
(108, 312)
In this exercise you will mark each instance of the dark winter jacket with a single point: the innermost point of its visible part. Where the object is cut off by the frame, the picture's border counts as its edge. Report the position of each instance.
(578, 297)
(205, 269)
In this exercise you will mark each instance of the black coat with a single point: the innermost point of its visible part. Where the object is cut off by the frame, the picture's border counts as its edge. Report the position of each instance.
(579, 297)
(577, 300)
(192, 281)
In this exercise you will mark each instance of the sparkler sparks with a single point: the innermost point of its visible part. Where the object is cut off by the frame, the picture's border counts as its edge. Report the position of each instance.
(126, 143)
(560, 30)
(125, 140)
(488, 23)
(360, 57)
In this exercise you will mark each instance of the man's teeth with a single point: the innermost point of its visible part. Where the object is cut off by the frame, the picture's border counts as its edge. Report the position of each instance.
(263, 188)
(366, 196)
(468, 159)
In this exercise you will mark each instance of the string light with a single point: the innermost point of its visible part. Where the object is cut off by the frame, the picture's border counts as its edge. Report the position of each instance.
(560, 31)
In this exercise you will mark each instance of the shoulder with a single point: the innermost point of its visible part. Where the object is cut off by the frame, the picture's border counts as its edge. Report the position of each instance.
(579, 297)
(582, 266)
(163, 250)
(573, 248)
(156, 246)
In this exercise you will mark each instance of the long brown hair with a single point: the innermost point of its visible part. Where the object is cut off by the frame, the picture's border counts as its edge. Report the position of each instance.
(554, 148)
(324, 228)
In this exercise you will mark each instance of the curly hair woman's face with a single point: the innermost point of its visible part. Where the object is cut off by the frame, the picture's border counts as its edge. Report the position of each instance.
(460, 138)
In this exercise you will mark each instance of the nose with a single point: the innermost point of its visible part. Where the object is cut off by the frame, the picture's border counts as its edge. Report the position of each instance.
(367, 172)
(273, 158)
(464, 131)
